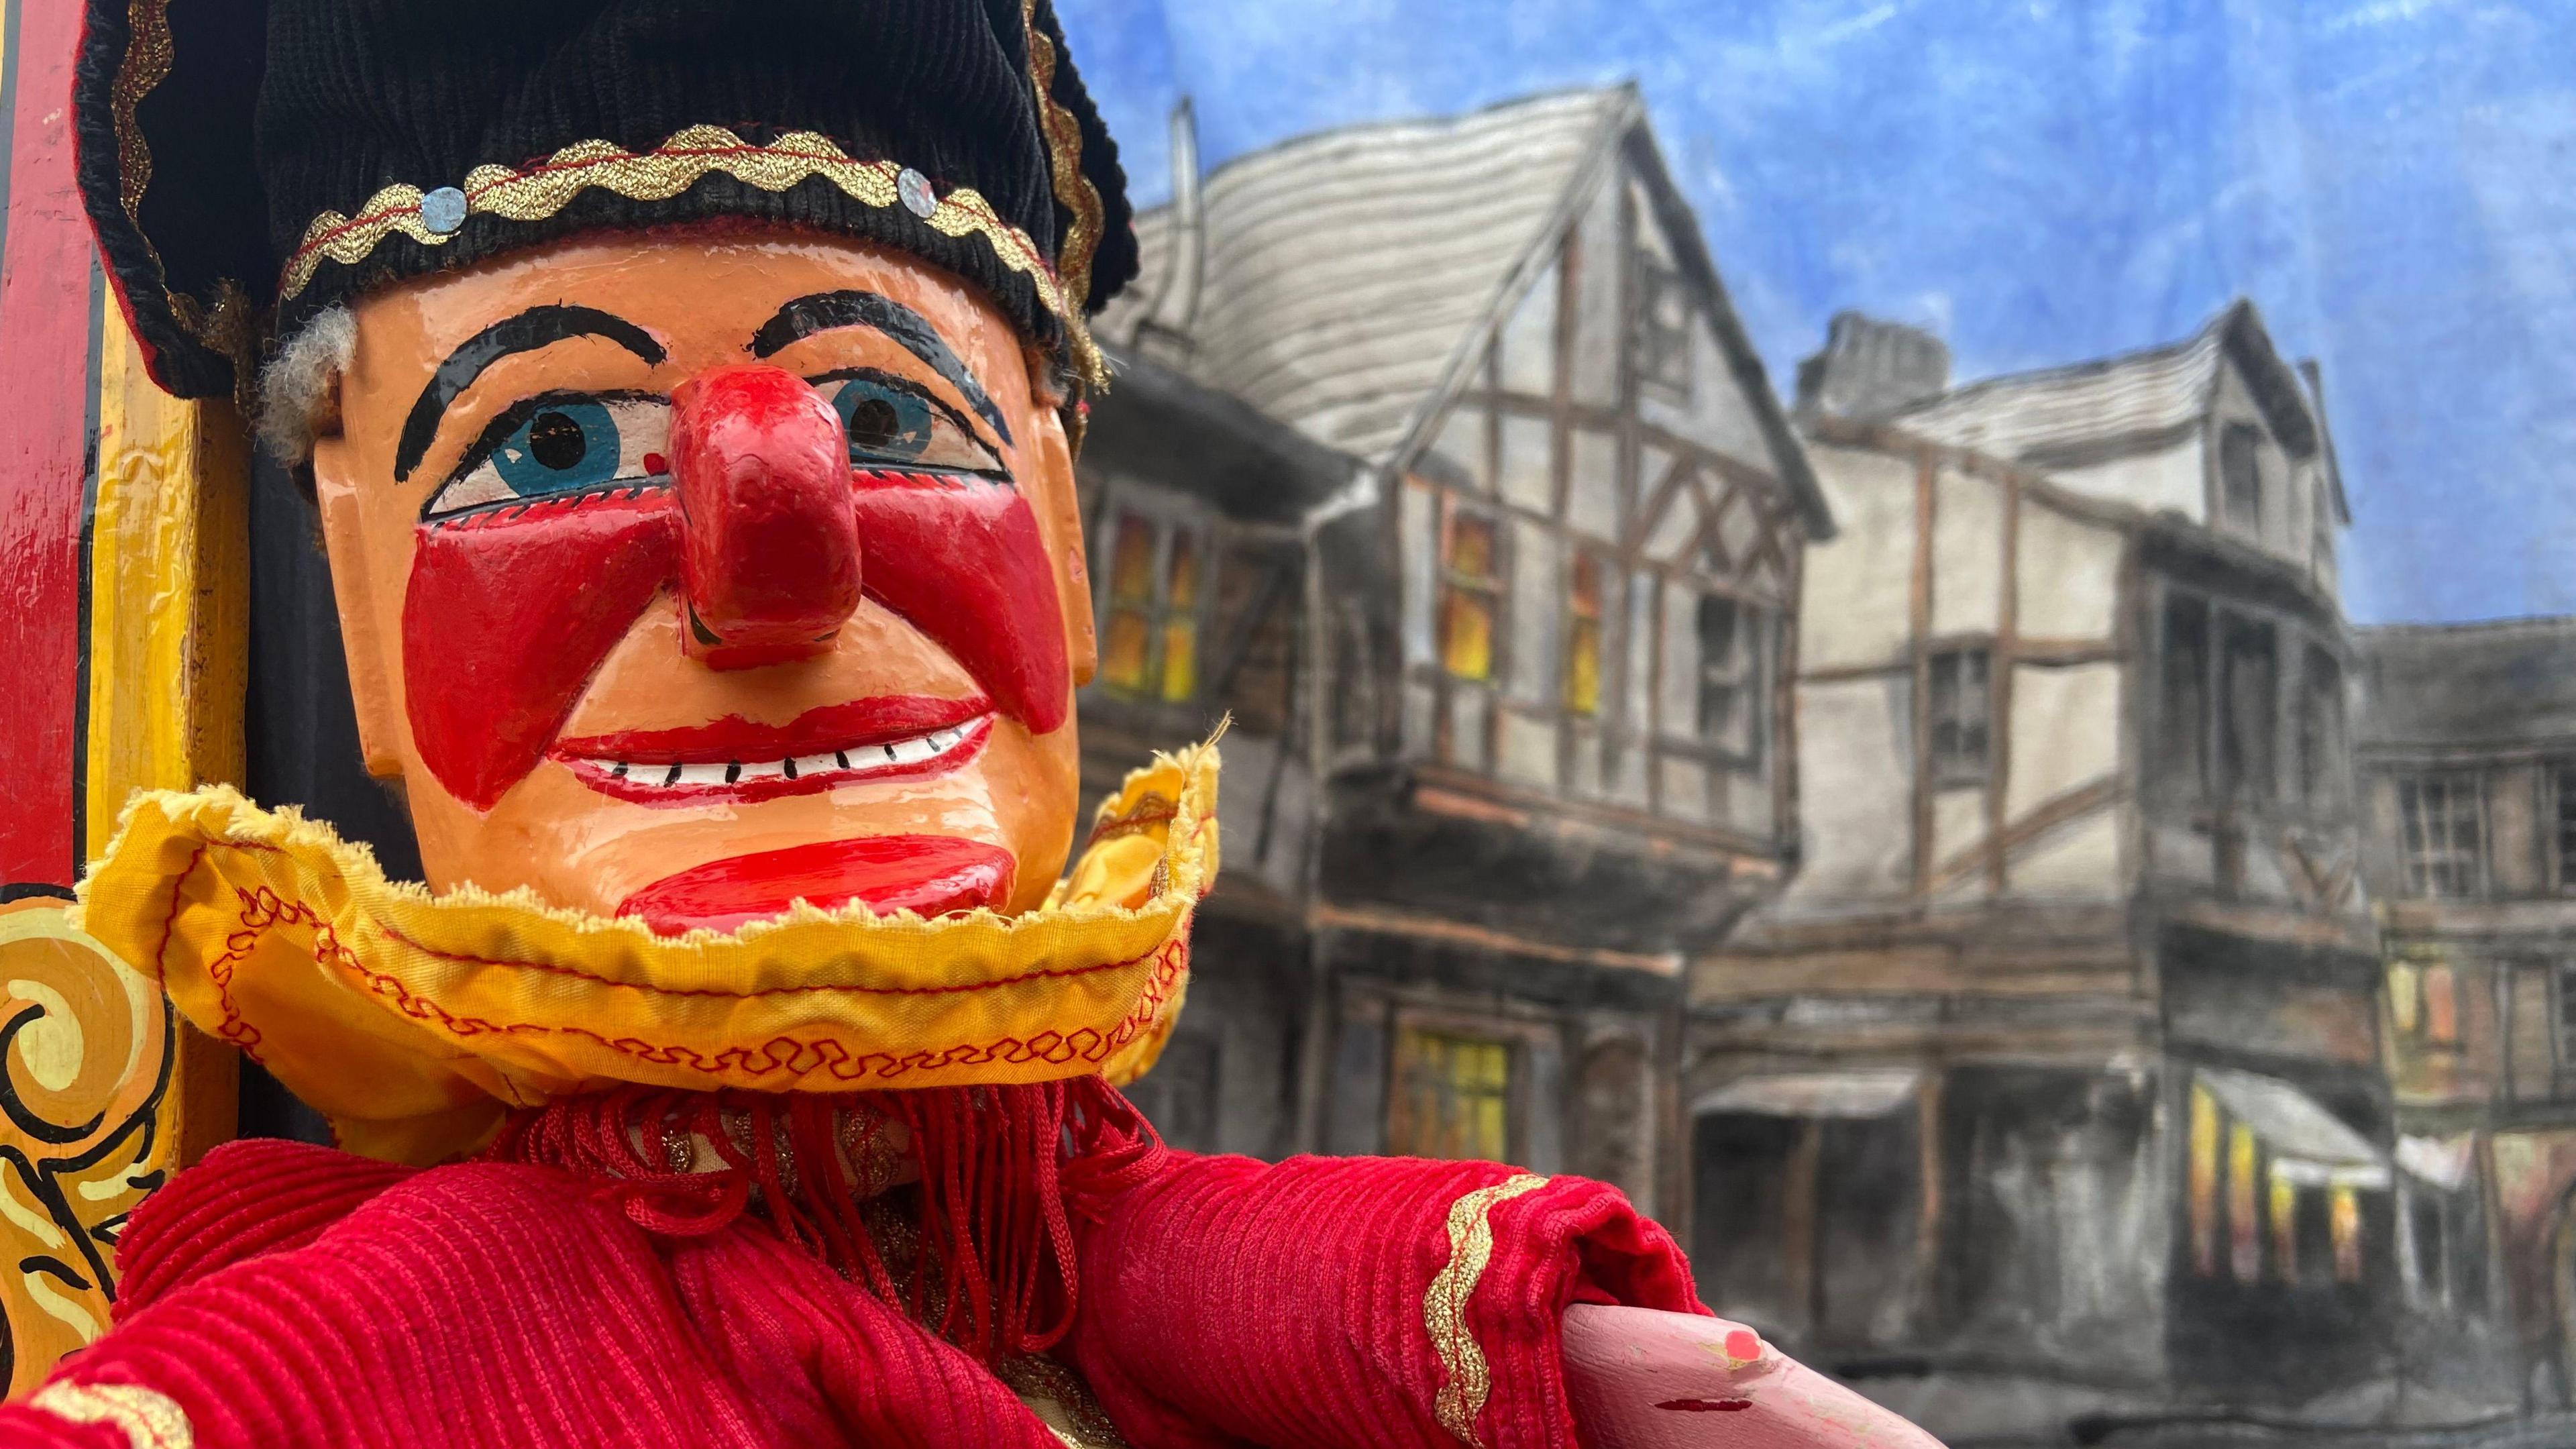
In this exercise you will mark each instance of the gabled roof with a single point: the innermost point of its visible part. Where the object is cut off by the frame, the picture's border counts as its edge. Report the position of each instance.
(1347, 275)
(2035, 416)
(2432, 688)
(1342, 268)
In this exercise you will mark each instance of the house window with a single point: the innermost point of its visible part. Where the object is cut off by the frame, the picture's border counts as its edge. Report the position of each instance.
(2240, 475)
(1961, 702)
(1663, 328)
(1729, 673)
(2183, 714)
(2248, 704)
(1181, 616)
(2321, 729)
(2343, 1230)
(2285, 1227)
(1583, 635)
(1470, 596)
(2566, 974)
(1452, 1097)
(2244, 1229)
(2563, 831)
(2204, 1182)
(2444, 819)
(1149, 645)
(2424, 1002)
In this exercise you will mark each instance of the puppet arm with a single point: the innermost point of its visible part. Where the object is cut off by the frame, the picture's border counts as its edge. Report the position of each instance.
(1359, 1303)
(1351, 1303)
(1641, 1379)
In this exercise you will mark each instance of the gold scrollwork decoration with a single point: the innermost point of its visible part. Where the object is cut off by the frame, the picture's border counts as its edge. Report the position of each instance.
(87, 1052)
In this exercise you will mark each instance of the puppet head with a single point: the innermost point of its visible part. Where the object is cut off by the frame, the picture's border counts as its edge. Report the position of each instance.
(684, 388)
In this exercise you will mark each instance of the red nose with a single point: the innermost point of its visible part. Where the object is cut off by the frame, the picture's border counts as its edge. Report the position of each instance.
(770, 568)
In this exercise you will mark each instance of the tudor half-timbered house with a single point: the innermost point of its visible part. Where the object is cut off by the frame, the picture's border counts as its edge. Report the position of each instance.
(2467, 749)
(1540, 747)
(2057, 1061)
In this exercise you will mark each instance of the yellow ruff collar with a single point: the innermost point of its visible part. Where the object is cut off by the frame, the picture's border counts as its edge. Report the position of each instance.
(413, 1021)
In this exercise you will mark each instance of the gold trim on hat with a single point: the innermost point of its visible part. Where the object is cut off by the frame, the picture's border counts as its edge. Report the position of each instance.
(225, 325)
(1073, 191)
(676, 165)
(146, 64)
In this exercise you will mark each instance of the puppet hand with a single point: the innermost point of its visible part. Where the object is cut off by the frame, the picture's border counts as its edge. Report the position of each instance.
(1644, 1379)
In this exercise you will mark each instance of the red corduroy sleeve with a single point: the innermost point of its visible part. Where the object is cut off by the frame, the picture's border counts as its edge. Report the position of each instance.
(1360, 1302)
(247, 1200)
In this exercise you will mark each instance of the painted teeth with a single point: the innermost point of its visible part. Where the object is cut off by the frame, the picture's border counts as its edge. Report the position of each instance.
(864, 757)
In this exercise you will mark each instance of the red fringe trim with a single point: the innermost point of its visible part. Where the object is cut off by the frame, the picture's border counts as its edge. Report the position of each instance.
(999, 1169)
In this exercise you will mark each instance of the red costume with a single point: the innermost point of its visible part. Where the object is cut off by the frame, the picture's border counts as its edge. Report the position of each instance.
(282, 1294)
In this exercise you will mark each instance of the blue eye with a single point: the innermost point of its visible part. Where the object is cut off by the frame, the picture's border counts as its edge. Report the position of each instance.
(886, 424)
(562, 449)
(568, 446)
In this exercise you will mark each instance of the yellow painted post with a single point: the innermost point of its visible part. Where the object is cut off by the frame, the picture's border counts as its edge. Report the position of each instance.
(105, 1092)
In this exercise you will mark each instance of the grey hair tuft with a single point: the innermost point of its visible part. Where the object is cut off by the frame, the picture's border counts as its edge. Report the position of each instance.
(299, 393)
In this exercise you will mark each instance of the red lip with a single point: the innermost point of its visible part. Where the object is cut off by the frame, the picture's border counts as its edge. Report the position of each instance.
(817, 731)
(930, 874)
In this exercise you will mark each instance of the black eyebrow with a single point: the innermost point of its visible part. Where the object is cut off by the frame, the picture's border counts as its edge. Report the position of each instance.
(823, 311)
(537, 327)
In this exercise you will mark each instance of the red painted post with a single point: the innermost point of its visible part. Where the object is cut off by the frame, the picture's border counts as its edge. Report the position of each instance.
(46, 321)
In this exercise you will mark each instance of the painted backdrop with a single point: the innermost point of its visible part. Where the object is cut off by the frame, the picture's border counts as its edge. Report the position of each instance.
(1926, 633)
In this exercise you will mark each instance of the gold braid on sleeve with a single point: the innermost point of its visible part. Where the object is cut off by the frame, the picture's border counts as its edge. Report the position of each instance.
(1467, 1380)
(149, 1418)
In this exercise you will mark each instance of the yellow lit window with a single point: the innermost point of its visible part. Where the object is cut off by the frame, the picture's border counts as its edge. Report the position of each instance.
(2441, 1007)
(1470, 593)
(2404, 1013)
(1583, 636)
(2244, 1225)
(1149, 640)
(2285, 1228)
(1127, 644)
(2204, 1181)
(1181, 618)
(2343, 1225)
(1452, 1097)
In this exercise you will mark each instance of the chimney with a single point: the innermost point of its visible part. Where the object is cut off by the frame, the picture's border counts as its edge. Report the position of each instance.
(1168, 320)
(1870, 369)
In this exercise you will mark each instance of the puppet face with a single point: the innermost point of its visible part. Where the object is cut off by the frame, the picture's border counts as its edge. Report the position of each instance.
(683, 575)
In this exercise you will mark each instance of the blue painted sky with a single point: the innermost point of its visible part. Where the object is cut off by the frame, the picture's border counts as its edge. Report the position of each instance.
(2047, 180)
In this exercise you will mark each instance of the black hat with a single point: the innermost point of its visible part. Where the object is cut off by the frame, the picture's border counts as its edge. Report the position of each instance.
(249, 163)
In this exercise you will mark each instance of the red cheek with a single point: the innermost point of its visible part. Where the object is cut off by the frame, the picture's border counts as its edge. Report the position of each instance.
(962, 560)
(507, 615)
